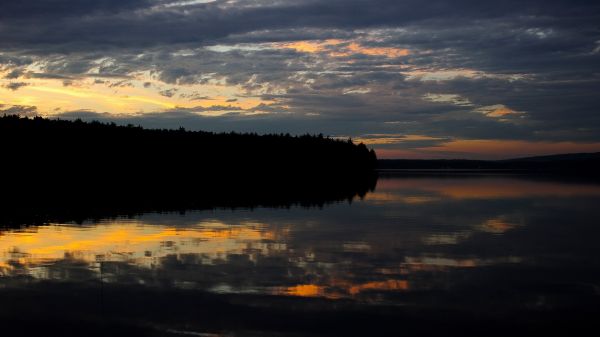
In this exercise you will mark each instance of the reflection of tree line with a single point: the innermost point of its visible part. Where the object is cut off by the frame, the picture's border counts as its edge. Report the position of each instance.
(72, 170)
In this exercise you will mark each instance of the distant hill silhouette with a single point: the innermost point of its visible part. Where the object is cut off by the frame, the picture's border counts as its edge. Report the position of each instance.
(558, 157)
(572, 163)
(72, 170)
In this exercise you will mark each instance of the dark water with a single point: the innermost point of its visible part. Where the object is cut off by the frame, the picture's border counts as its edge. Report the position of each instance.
(481, 255)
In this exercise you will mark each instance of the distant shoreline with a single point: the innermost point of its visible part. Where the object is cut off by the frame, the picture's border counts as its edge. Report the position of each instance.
(456, 170)
(564, 164)
(530, 172)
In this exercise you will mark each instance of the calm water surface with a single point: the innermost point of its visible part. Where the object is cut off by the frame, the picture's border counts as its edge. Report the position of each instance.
(496, 244)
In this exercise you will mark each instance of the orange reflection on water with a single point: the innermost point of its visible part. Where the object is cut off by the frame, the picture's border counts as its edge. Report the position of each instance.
(387, 285)
(5, 268)
(342, 288)
(131, 242)
(497, 226)
(305, 290)
(492, 226)
(482, 188)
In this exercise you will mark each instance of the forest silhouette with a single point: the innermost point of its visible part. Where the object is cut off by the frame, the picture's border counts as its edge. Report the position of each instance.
(81, 146)
(73, 170)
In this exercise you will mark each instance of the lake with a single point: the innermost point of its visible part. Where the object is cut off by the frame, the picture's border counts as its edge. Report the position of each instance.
(419, 255)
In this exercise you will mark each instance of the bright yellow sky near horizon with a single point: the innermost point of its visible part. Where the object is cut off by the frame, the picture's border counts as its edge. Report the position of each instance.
(54, 96)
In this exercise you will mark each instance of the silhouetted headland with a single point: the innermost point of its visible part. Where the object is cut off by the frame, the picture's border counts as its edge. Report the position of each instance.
(75, 169)
(562, 164)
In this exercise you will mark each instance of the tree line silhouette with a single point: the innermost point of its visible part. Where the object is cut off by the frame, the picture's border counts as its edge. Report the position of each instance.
(60, 169)
(61, 142)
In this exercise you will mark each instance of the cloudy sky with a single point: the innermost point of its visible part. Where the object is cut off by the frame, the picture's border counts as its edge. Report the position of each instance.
(417, 79)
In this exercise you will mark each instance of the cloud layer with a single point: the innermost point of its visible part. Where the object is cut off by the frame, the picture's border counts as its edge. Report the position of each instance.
(423, 76)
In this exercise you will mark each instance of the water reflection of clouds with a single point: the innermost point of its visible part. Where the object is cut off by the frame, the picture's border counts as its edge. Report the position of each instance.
(343, 288)
(411, 234)
(387, 197)
(432, 263)
(134, 251)
(496, 226)
(394, 190)
(132, 242)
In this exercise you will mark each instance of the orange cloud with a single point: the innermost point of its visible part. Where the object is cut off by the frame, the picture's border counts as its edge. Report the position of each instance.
(497, 111)
(341, 48)
(381, 139)
(501, 112)
(355, 48)
(310, 46)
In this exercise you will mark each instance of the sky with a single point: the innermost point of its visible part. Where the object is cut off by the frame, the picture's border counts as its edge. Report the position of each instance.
(411, 79)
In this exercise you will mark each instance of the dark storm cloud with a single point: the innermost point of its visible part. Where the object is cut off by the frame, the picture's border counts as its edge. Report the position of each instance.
(144, 22)
(15, 10)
